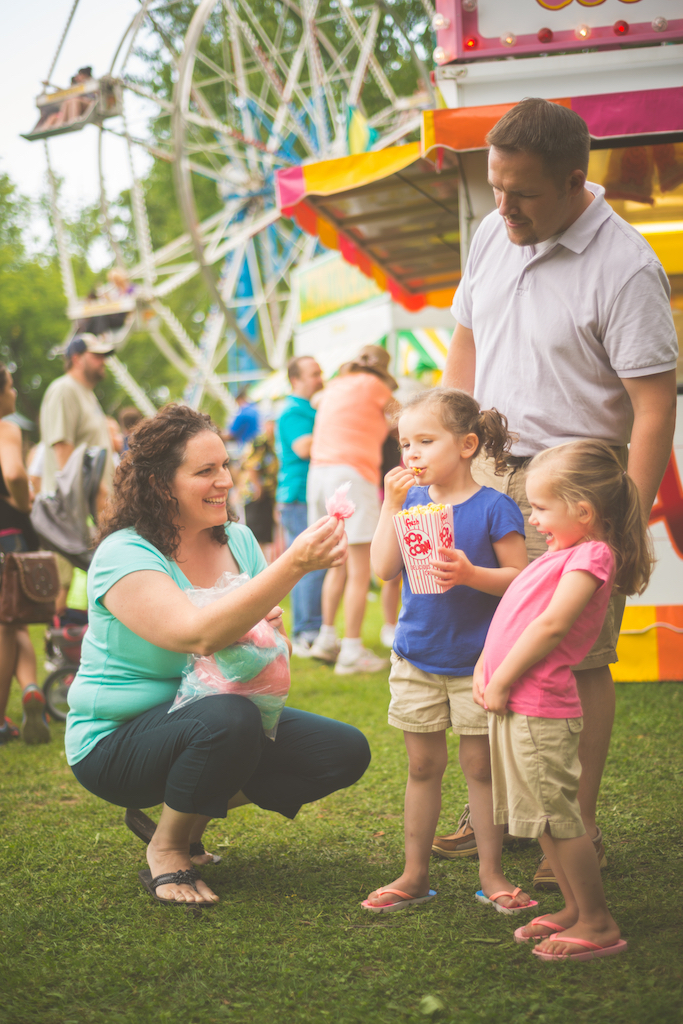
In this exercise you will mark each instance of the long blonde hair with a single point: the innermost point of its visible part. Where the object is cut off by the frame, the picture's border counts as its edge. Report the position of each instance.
(459, 412)
(589, 471)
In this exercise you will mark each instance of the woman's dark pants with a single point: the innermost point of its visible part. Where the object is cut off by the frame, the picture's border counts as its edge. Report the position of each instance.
(197, 758)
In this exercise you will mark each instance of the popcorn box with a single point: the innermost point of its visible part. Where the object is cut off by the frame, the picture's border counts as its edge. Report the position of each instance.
(421, 531)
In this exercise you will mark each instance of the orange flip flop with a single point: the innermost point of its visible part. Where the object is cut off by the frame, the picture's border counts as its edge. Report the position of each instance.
(406, 900)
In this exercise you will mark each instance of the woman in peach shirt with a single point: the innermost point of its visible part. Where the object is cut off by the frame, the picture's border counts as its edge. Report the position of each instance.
(350, 429)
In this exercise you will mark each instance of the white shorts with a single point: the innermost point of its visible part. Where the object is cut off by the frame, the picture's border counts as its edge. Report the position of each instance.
(323, 480)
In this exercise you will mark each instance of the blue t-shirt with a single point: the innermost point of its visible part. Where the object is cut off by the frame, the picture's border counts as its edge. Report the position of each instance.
(296, 421)
(121, 675)
(245, 425)
(445, 633)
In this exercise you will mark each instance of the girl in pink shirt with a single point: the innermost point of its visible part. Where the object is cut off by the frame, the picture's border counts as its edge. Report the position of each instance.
(589, 511)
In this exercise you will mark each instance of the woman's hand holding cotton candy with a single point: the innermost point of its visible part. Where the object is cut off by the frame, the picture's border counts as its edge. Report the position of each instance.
(397, 483)
(274, 619)
(322, 546)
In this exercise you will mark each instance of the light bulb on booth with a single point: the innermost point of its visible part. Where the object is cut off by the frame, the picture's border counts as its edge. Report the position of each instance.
(582, 32)
(440, 22)
(439, 55)
(508, 40)
(469, 5)
(660, 24)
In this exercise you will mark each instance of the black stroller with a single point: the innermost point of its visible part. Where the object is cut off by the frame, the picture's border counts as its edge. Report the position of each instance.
(62, 658)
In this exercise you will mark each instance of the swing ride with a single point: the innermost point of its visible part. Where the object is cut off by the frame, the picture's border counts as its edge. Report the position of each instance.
(257, 87)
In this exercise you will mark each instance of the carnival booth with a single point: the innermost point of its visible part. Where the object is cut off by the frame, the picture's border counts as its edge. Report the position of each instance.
(405, 215)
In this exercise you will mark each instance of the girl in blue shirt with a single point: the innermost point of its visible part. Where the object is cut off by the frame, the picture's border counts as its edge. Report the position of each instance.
(439, 637)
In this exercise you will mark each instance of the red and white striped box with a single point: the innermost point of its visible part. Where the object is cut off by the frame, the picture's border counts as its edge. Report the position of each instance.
(420, 535)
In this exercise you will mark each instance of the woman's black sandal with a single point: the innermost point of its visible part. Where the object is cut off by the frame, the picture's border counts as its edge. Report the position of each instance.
(144, 828)
(188, 877)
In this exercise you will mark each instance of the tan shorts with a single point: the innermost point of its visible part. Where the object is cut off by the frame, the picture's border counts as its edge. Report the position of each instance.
(536, 770)
(323, 480)
(604, 650)
(426, 702)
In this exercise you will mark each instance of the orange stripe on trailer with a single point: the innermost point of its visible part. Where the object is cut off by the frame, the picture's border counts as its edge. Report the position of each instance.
(670, 643)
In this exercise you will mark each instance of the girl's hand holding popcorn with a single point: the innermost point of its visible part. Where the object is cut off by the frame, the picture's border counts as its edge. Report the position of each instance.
(452, 569)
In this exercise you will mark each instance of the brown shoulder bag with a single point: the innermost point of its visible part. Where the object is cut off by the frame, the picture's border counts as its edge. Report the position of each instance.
(28, 588)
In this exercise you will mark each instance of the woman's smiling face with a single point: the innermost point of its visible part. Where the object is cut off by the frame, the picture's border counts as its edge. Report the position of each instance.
(202, 483)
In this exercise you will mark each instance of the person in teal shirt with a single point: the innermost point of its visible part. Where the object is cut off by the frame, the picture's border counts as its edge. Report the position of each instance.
(294, 436)
(166, 529)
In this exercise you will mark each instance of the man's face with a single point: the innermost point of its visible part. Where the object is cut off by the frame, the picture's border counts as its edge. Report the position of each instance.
(310, 381)
(93, 368)
(533, 204)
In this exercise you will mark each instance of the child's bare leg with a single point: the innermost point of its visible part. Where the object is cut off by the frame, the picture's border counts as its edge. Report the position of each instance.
(569, 914)
(581, 883)
(475, 761)
(428, 757)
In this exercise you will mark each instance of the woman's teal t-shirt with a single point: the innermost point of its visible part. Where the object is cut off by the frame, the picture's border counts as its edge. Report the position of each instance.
(121, 675)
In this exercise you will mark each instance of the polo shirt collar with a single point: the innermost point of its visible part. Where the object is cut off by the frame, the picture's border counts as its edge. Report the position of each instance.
(581, 233)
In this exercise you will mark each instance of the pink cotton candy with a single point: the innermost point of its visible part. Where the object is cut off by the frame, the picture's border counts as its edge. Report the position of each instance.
(339, 505)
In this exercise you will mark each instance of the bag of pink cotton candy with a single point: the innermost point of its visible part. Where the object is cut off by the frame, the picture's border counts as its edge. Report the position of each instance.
(255, 666)
(339, 505)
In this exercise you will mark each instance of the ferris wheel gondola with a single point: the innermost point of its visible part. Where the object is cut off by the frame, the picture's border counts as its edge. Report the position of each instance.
(255, 89)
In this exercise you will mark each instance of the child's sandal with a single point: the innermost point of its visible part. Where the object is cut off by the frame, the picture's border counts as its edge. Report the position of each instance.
(491, 901)
(550, 925)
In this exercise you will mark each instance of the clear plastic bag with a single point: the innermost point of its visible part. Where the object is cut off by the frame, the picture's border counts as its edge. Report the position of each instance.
(255, 666)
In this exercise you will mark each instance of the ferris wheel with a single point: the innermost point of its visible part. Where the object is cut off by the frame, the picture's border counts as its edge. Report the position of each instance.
(252, 86)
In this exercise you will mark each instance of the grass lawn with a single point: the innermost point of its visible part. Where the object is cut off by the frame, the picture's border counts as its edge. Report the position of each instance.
(82, 942)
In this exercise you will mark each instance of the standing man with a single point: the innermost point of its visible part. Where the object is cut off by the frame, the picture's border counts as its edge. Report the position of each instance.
(294, 438)
(564, 325)
(245, 426)
(71, 415)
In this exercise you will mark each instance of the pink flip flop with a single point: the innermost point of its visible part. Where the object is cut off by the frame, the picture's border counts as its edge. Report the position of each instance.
(406, 901)
(594, 951)
(491, 900)
(552, 927)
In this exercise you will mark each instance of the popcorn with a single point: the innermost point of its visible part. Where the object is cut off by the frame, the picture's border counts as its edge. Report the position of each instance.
(417, 470)
(421, 531)
(421, 509)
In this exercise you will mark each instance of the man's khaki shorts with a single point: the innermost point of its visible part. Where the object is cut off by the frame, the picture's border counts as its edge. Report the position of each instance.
(536, 770)
(513, 483)
(425, 702)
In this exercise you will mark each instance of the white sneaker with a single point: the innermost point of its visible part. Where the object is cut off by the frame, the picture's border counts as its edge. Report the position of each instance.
(366, 661)
(387, 634)
(302, 647)
(325, 650)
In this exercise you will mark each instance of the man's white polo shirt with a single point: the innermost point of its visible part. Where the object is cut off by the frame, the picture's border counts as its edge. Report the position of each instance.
(555, 330)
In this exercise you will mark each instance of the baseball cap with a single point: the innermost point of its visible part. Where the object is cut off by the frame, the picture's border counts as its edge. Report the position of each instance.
(88, 343)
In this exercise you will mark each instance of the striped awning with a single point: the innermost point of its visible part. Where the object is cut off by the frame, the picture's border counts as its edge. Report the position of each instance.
(394, 213)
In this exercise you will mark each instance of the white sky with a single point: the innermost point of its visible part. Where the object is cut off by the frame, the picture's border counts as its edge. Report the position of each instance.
(31, 32)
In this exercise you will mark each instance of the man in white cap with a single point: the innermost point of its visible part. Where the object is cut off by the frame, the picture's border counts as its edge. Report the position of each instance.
(70, 414)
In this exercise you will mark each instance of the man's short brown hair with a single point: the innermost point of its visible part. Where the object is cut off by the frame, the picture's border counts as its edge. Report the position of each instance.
(549, 130)
(294, 367)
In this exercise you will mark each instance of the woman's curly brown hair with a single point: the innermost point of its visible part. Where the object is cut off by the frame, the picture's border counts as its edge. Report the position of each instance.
(142, 497)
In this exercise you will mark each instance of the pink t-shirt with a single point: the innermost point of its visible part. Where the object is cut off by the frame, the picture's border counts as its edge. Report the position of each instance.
(350, 427)
(548, 688)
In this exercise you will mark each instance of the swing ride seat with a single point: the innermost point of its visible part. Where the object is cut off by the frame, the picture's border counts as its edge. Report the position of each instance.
(105, 101)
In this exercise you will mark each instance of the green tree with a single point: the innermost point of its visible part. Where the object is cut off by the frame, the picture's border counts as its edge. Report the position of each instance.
(32, 305)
